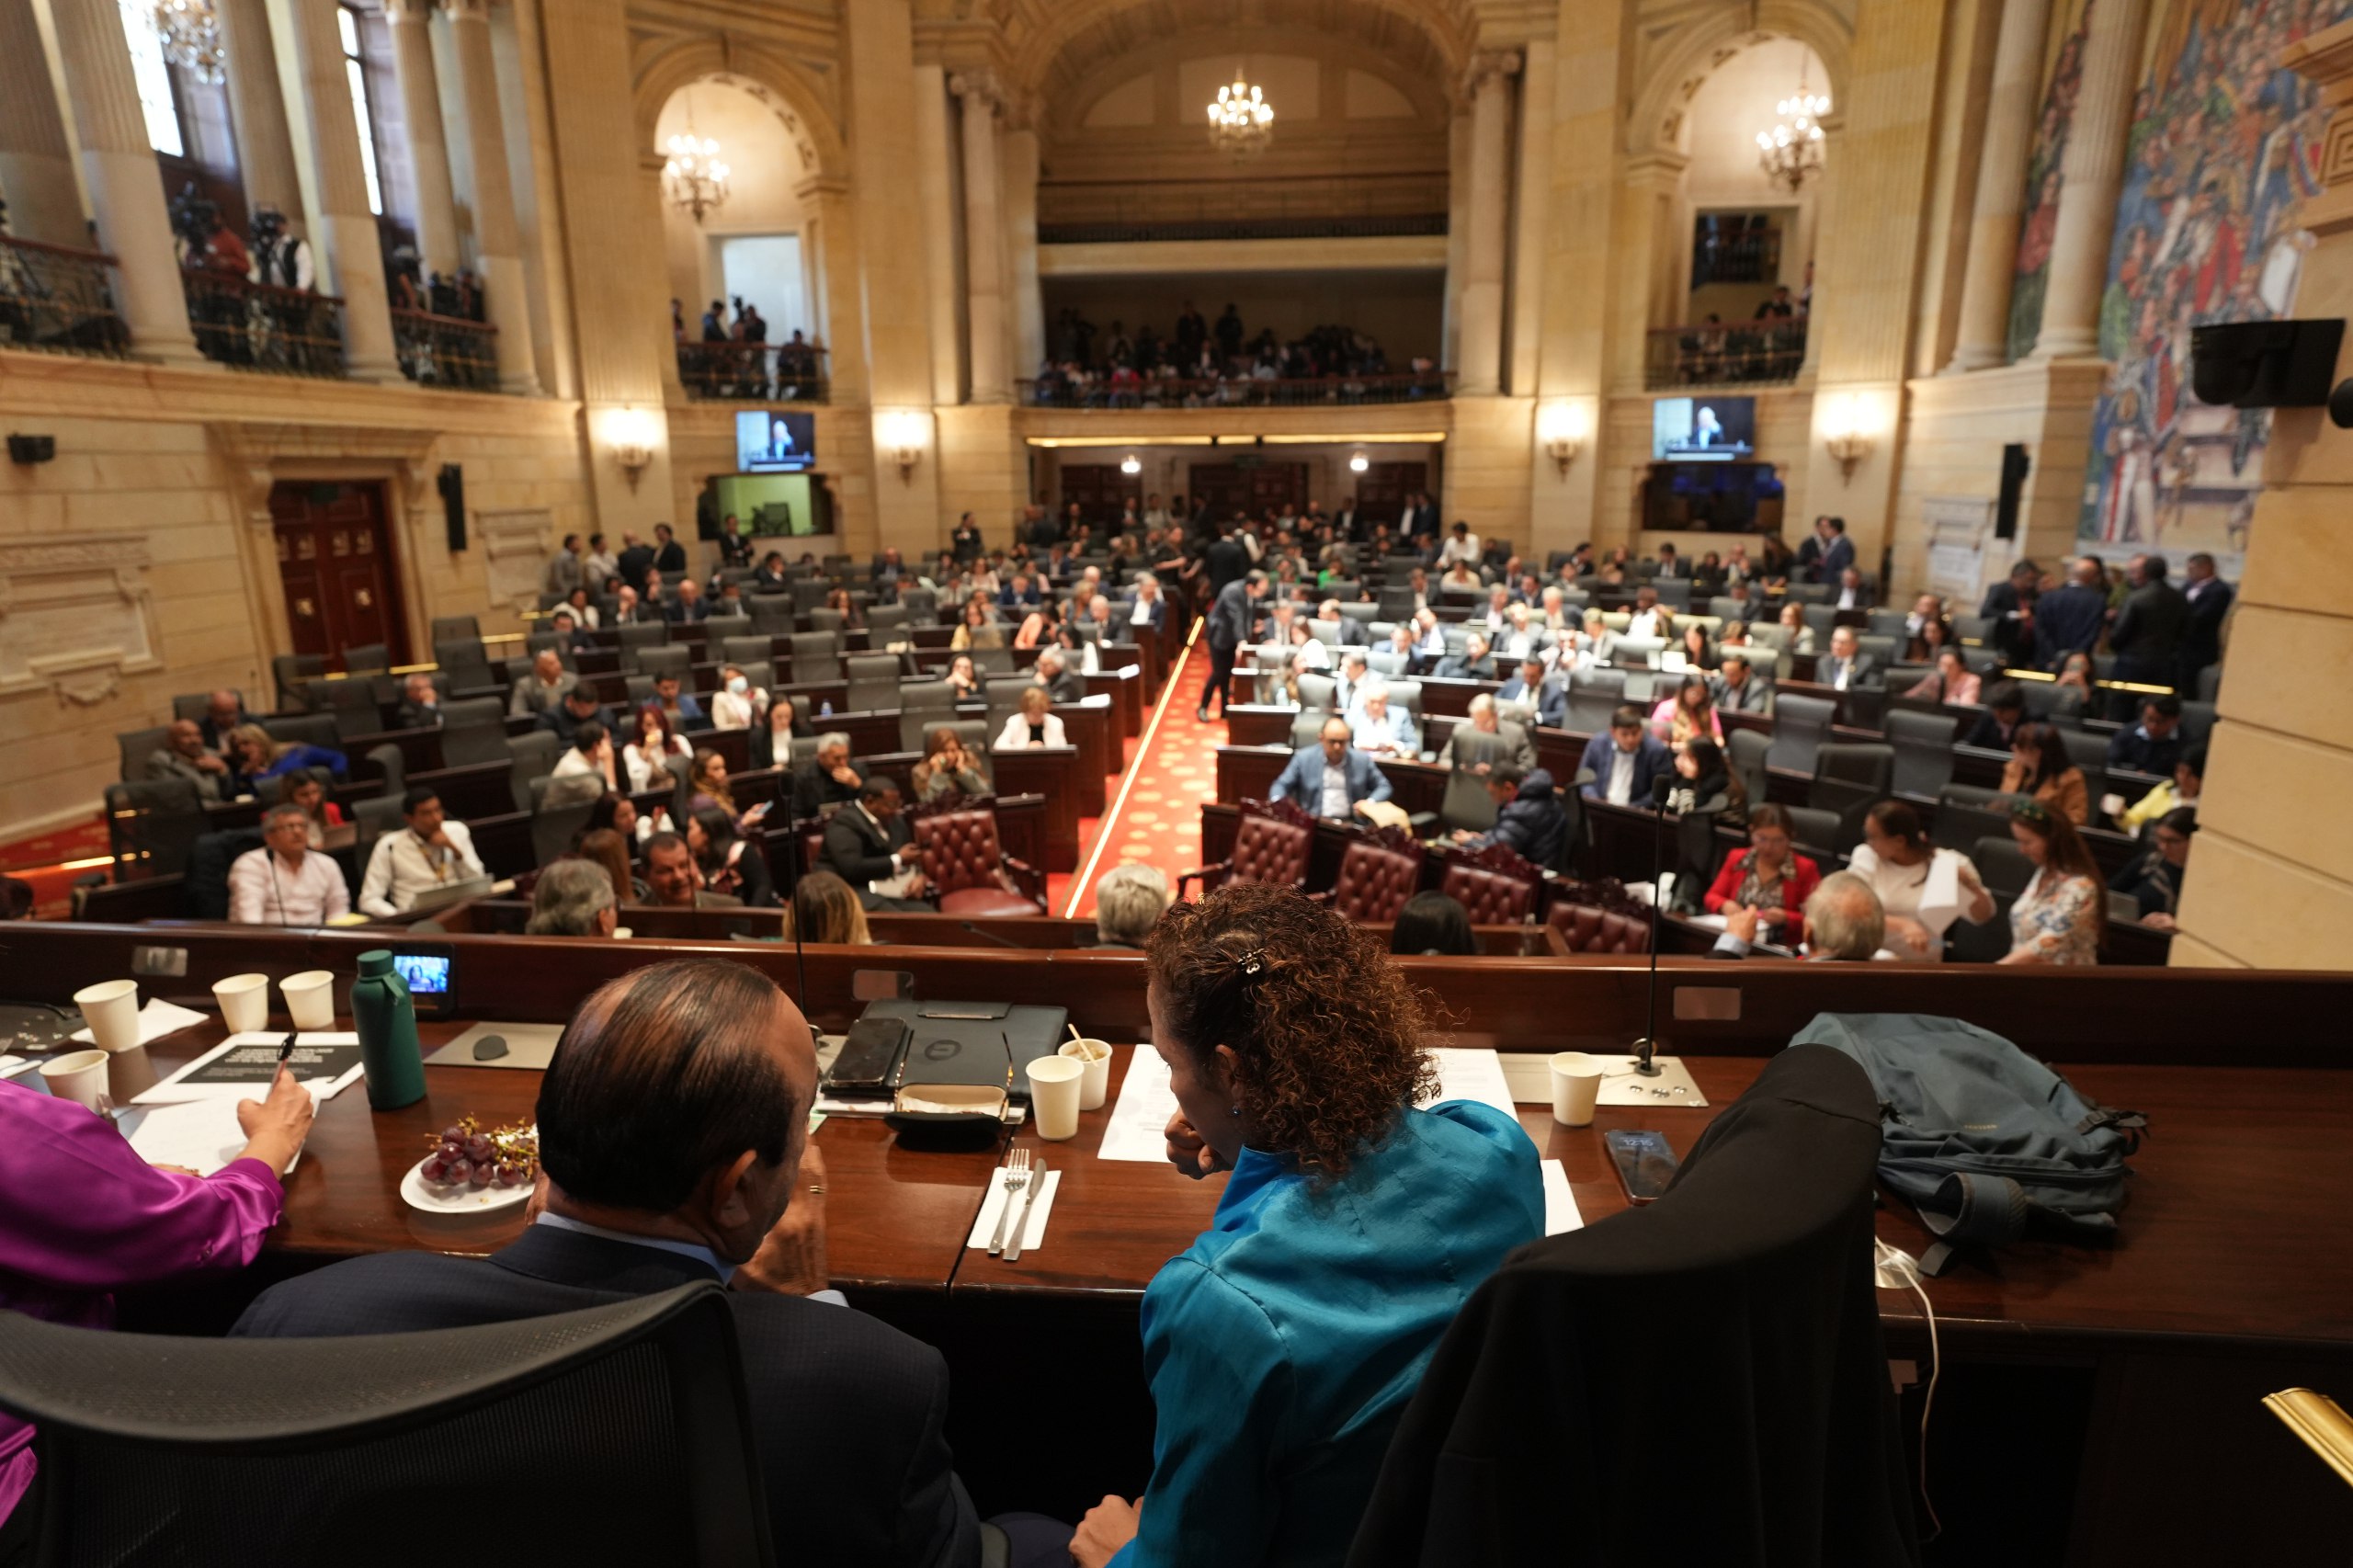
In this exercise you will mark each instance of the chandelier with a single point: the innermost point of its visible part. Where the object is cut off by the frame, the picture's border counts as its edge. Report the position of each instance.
(694, 178)
(1240, 122)
(1790, 153)
(191, 38)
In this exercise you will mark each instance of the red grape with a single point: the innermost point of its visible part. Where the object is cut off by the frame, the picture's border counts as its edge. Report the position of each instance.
(434, 1169)
(479, 1148)
(456, 1173)
(479, 1176)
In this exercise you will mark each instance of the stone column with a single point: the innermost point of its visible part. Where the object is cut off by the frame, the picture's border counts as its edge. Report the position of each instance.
(428, 149)
(1529, 221)
(351, 257)
(1027, 327)
(1487, 86)
(983, 237)
(2090, 173)
(2010, 112)
(258, 105)
(35, 160)
(1826, 207)
(831, 237)
(934, 190)
(119, 168)
(501, 243)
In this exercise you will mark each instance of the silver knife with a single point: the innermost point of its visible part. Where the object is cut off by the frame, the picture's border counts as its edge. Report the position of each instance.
(1036, 1180)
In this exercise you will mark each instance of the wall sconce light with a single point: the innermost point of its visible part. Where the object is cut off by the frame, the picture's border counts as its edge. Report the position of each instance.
(1132, 465)
(904, 433)
(1560, 430)
(1358, 462)
(1843, 436)
(632, 435)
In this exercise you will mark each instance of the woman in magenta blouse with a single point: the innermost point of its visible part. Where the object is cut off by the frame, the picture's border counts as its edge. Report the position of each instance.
(82, 1216)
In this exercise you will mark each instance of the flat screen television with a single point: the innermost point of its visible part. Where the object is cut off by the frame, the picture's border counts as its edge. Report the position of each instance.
(1703, 429)
(768, 442)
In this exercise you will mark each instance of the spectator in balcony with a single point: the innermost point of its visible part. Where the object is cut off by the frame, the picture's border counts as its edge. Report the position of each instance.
(280, 258)
(1780, 307)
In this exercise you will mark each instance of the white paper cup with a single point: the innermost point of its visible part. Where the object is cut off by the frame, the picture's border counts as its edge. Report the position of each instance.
(244, 1003)
(111, 1009)
(1095, 1083)
(309, 998)
(1577, 1084)
(1053, 1096)
(78, 1075)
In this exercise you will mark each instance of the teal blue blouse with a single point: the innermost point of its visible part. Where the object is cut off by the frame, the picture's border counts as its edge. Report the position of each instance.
(1282, 1347)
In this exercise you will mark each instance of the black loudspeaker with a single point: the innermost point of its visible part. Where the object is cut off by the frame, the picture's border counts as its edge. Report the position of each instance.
(2264, 364)
(452, 485)
(32, 448)
(2014, 466)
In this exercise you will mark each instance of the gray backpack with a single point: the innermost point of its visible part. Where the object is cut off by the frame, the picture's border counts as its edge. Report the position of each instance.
(1977, 1135)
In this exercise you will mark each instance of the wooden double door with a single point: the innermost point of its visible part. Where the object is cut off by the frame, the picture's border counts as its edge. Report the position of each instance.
(1253, 487)
(334, 559)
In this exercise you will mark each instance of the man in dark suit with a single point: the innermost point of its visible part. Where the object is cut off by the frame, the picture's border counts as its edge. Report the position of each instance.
(869, 845)
(2202, 636)
(672, 1133)
(2010, 607)
(1226, 560)
(579, 707)
(2068, 619)
(690, 606)
(1837, 551)
(224, 711)
(2005, 711)
(2155, 744)
(1529, 689)
(1671, 564)
(1475, 663)
(669, 556)
(2148, 633)
(1229, 621)
(1624, 761)
(636, 560)
(1846, 666)
(829, 779)
(1331, 779)
(1346, 523)
(1054, 672)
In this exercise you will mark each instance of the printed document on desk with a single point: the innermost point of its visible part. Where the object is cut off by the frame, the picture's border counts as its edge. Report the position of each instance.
(242, 1067)
(1138, 1129)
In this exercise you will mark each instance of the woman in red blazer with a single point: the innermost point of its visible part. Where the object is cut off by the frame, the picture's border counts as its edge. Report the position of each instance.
(1768, 877)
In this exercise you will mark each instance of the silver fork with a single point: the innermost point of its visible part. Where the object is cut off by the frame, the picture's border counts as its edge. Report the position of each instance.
(1017, 1177)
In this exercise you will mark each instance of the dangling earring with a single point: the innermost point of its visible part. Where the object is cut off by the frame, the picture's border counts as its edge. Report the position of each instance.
(1234, 1110)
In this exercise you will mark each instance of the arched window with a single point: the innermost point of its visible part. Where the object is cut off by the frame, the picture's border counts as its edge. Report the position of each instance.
(354, 69)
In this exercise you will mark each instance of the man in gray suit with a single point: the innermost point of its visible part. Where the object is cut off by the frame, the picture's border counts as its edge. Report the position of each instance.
(543, 691)
(1332, 779)
(1740, 689)
(1846, 666)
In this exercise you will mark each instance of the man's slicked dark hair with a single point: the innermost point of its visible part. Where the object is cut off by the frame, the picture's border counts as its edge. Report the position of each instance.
(661, 1077)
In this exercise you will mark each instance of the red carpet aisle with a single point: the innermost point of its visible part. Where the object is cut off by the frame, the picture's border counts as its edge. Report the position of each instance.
(48, 863)
(1155, 813)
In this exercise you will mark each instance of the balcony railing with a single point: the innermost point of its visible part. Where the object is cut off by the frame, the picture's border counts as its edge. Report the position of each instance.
(1764, 353)
(1143, 231)
(260, 326)
(753, 372)
(1279, 207)
(56, 299)
(446, 351)
(1233, 391)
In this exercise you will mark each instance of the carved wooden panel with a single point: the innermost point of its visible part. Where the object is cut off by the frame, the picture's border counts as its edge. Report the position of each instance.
(75, 616)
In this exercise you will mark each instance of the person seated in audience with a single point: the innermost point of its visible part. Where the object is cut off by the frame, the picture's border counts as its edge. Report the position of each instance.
(2180, 791)
(85, 1217)
(979, 629)
(1054, 672)
(2153, 878)
(1847, 665)
(1531, 631)
(823, 910)
(1331, 779)
(1997, 727)
(1128, 901)
(1624, 761)
(838, 600)
(2155, 744)
(1768, 877)
(1844, 924)
(658, 607)
(319, 813)
(1039, 627)
(729, 862)
(673, 879)
(1150, 608)
(689, 606)
(965, 683)
(1434, 925)
(947, 767)
(1353, 1230)
(2039, 768)
(869, 845)
(1405, 644)
(1852, 593)
(610, 849)
(1952, 683)
(1704, 781)
(826, 781)
(185, 755)
(1381, 729)
(618, 814)
(541, 691)
(420, 706)
(573, 897)
(707, 786)
(659, 756)
(1504, 741)
(430, 852)
(677, 704)
(1463, 546)
(1529, 689)
(1461, 574)
(770, 576)
(737, 704)
(1650, 617)
(1801, 635)
(1348, 684)
(2064, 913)
(224, 713)
(629, 609)
(1688, 715)
(1737, 688)
(579, 707)
(1497, 614)
(2076, 689)
(1475, 663)
(1529, 819)
(1035, 726)
(1698, 653)
(1921, 889)
(1933, 637)
(674, 1140)
(571, 636)
(1021, 593)
(586, 769)
(283, 883)
(1747, 604)
(257, 759)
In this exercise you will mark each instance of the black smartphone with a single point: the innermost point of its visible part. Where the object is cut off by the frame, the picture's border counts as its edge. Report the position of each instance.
(1645, 1162)
(870, 1055)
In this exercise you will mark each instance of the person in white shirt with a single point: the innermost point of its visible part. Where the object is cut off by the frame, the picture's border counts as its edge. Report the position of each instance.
(430, 852)
(1381, 732)
(1851, 594)
(1921, 889)
(1146, 611)
(1035, 726)
(1430, 637)
(738, 704)
(1649, 618)
(1522, 637)
(1497, 614)
(585, 771)
(601, 566)
(282, 883)
(1463, 547)
(1348, 687)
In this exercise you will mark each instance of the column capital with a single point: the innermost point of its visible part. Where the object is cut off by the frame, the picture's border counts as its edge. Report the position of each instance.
(978, 87)
(467, 10)
(399, 12)
(1489, 68)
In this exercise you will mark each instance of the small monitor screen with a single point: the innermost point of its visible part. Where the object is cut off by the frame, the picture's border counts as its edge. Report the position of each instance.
(428, 974)
(768, 442)
(1703, 429)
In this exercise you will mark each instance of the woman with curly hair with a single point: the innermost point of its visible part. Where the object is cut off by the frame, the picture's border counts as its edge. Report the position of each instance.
(1283, 1344)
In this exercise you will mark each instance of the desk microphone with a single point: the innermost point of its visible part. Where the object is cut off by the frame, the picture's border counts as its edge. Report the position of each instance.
(1662, 788)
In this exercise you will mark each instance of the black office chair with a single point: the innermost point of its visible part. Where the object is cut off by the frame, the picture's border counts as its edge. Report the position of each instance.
(621, 1433)
(1767, 1397)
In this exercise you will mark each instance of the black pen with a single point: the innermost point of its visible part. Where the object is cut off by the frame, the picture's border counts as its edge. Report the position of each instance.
(286, 1048)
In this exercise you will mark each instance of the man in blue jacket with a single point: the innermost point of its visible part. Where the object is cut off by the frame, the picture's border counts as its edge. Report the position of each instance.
(1624, 761)
(1529, 820)
(1334, 779)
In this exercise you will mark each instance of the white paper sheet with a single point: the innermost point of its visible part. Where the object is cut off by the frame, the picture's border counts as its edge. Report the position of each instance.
(12, 1065)
(173, 1090)
(1560, 1201)
(1034, 1230)
(1471, 1074)
(1940, 898)
(156, 1019)
(201, 1134)
(1139, 1124)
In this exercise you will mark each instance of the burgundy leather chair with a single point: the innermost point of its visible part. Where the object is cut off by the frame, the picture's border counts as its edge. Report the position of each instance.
(1270, 845)
(966, 866)
(1497, 887)
(1589, 928)
(1379, 873)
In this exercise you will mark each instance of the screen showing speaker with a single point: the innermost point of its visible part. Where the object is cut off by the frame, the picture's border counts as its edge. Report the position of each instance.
(1703, 429)
(768, 442)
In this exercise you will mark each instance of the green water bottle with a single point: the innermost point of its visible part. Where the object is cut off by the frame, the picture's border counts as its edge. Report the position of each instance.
(386, 1020)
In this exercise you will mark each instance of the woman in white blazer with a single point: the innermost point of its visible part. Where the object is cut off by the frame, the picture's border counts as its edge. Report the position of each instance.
(1035, 726)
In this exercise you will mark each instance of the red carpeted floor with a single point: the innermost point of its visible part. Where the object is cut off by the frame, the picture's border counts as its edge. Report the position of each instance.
(1155, 807)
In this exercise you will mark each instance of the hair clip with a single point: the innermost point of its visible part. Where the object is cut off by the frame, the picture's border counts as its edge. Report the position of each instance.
(2031, 810)
(1252, 962)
